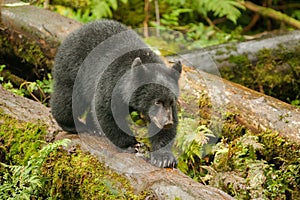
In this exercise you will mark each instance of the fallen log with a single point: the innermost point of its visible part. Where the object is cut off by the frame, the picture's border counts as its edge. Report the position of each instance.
(256, 111)
(215, 57)
(32, 34)
(165, 183)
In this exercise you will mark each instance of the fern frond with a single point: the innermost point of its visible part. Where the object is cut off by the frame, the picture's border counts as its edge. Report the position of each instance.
(227, 8)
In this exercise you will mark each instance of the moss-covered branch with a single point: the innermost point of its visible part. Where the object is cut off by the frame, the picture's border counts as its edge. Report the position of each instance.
(269, 12)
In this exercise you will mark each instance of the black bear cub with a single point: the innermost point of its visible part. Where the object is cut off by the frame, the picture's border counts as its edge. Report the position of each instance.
(102, 72)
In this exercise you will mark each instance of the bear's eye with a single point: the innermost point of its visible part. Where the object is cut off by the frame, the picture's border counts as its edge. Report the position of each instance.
(158, 102)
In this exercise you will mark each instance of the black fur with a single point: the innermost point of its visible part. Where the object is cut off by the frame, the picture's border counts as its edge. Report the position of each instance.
(135, 79)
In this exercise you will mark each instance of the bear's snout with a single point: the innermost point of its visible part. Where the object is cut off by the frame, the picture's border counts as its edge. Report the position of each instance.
(168, 124)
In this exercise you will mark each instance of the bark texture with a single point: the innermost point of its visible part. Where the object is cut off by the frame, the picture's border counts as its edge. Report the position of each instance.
(256, 111)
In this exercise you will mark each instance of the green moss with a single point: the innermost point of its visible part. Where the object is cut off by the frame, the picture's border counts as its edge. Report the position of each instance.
(205, 109)
(275, 73)
(231, 48)
(278, 149)
(25, 51)
(20, 139)
(81, 176)
(231, 128)
(220, 52)
(219, 122)
(75, 175)
(277, 161)
(275, 145)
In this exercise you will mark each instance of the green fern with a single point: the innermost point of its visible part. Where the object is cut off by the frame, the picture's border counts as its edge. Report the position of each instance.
(173, 18)
(189, 143)
(227, 8)
(25, 182)
(95, 10)
(104, 8)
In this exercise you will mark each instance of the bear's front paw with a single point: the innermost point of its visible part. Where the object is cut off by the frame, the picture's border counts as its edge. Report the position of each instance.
(163, 159)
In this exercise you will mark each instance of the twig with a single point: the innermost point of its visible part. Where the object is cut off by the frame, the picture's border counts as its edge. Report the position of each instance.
(157, 17)
(255, 18)
(269, 12)
(212, 24)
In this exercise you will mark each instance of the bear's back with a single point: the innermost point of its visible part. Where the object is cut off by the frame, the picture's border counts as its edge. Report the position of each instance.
(77, 46)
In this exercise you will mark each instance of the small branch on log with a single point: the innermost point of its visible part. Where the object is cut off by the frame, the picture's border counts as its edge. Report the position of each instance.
(252, 23)
(219, 20)
(211, 23)
(7, 75)
(269, 12)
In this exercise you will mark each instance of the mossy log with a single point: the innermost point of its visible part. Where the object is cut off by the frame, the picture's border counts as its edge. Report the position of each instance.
(211, 58)
(258, 112)
(32, 34)
(165, 183)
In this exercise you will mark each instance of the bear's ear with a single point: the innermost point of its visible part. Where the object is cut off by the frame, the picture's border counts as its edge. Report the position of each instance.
(137, 61)
(177, 66)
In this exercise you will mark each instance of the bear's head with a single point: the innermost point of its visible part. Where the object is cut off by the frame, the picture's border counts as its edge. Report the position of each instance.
(154, 92)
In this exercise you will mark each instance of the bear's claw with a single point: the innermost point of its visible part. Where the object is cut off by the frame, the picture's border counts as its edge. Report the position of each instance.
(163, 160)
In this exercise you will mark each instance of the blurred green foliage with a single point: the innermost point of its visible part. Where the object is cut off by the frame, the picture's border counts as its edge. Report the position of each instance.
(206, 22)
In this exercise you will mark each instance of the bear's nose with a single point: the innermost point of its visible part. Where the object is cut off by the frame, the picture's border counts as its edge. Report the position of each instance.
(168, 124)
